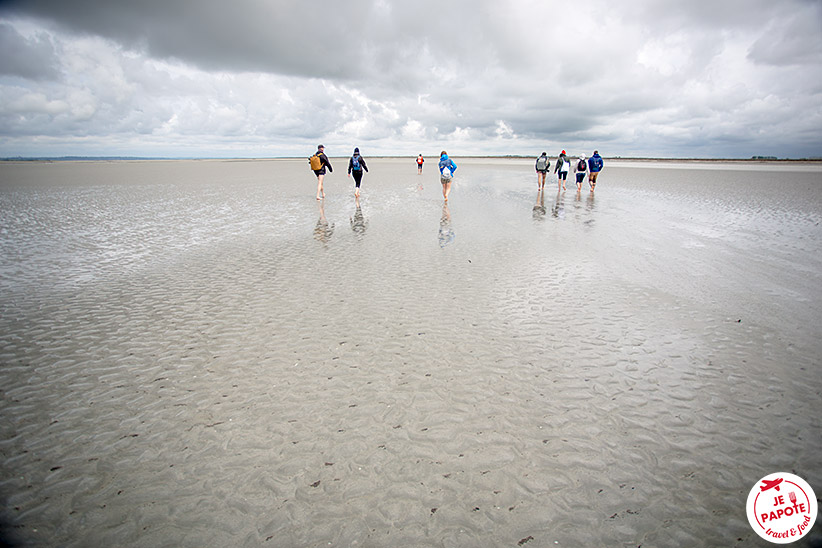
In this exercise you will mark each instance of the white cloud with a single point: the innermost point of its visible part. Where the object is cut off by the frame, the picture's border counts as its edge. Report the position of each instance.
(260, 78)
(668, 55)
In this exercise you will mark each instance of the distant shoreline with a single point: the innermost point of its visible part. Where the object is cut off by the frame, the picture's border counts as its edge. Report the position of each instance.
(479, 157)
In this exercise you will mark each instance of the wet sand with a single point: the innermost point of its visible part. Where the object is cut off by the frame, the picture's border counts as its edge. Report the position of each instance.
(198, 353)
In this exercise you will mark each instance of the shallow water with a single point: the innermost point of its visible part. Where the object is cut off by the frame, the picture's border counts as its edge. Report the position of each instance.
(200, 353)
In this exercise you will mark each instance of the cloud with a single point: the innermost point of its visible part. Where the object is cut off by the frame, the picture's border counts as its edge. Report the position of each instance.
(33, 58)
(792, 40)
(270, 77)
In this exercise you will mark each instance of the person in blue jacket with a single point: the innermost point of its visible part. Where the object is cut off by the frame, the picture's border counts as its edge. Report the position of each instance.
(594, 167)
(447, 169)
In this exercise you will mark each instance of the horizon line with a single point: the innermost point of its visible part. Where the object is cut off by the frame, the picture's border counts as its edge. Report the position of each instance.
(90, 158)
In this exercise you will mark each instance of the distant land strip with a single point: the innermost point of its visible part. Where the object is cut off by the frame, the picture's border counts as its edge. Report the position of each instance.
(481, 156)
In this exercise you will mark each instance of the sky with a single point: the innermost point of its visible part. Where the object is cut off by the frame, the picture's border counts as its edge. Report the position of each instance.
(273, 78)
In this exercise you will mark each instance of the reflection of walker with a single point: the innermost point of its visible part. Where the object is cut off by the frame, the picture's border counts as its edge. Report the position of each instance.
(446, 233)
(358, 222)
(539, 208)
(323, 230)
(558, 209)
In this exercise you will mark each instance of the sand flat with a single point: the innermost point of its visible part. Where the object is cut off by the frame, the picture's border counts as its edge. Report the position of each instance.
(201, 354)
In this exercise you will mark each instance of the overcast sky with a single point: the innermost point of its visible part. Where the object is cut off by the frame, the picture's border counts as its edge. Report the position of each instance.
(265, 78)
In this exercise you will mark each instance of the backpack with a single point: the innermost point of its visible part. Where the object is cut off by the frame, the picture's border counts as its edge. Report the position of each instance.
(542, 163)
(315, 162)
(446, 172)
(581, 165)
(355, 163)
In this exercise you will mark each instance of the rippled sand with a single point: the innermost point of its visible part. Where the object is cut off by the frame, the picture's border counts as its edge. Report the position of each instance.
(201, 354)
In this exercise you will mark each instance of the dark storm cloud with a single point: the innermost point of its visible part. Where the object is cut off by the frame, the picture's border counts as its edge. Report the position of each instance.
(32, 58)
(281, 37)
(313, 39)
(323, 39)
(480, 74)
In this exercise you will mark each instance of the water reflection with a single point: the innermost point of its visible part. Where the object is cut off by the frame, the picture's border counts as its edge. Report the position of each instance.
(539, 211)
(323, 230)
(358, 222)
(446, 232)
(558, 209)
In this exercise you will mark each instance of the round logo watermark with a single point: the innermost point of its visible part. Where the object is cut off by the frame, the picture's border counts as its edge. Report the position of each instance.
(782, 508)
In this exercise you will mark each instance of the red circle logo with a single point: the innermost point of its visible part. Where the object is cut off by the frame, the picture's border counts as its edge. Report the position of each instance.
(782, 508)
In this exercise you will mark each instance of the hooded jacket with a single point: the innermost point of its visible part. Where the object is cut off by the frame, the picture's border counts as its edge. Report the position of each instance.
(361, 162)
(595, 163)
(445, 161)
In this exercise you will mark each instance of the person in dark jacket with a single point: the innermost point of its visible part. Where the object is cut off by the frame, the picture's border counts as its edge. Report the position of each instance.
(594, 167)
(320, 173)
(356, 164)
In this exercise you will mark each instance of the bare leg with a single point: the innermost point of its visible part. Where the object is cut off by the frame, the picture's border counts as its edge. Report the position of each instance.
(446, 190)
(320, 192)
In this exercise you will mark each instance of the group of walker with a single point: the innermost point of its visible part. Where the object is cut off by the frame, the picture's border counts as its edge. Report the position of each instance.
(356, 165)
(319, 162)
(563, 166)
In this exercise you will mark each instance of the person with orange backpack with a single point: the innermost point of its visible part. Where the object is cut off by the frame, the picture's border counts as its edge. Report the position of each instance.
(318, 162)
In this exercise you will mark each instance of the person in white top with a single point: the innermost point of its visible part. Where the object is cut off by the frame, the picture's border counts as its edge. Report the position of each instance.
(562, 170)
